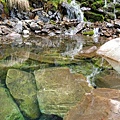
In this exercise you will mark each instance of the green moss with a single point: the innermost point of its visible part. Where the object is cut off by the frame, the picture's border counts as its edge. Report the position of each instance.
(109, 16)
(118, 9)
(93, 17)
(97, 4)
(55, 3)
(117, 5)
(9, 110)
(99, 62)
(3, 1)
(6, 10)
(85, 4)
(90, 33)
(22, 87)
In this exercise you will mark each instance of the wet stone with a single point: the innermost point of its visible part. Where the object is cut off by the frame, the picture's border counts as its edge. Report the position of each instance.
(101, 104)
(8, 108)
(108, 79)
(23, 89)
(59, 90)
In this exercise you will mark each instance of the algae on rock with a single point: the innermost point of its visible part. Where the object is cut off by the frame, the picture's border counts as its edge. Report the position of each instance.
(93, 17)
(59, 90)
(23, 89)
(8, 109)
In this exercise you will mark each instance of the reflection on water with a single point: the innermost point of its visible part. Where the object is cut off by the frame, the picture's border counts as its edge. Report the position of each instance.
(41, 48)
(74, 47)
(39, 51)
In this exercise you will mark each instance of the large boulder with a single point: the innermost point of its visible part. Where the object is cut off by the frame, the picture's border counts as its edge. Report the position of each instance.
(111, 52)
(108, 79)
(59, 90)
(23, 89)
(8, 108)
(101, 104)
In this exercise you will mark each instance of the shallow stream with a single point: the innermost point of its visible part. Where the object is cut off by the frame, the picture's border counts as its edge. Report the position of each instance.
(40, 52)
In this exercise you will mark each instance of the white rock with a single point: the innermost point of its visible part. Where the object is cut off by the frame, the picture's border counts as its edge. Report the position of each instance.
(111, 52)
(26, 32)
(18, 27)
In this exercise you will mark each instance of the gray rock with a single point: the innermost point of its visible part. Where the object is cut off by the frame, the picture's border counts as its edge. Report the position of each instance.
(18, 27)
(34, 26)
(1, 8)
(4, 30)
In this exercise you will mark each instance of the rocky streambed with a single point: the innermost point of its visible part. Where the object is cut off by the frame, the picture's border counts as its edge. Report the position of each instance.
(49, 66)
(47, 78)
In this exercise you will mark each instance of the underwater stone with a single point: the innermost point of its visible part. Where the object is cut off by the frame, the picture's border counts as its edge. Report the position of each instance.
(108, 79)
(23, 89)
(8, 109)
(59, 90)
(101, 104)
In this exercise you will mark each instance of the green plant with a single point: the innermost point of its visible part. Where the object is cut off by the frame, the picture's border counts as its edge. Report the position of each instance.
(4, 2)
(55, 3)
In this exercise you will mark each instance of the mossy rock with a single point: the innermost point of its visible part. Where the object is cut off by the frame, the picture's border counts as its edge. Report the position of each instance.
(100, 62)
(93, 17)
(90, 33)
(23, 89)
(97, 5)
(109, 15)
(52, 58)
(117, 11)
(117, 5)
(59, 90)
(6, 10)
(84, 4)
(8, 108)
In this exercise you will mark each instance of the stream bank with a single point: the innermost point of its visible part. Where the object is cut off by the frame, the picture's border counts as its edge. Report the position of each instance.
(86, 18)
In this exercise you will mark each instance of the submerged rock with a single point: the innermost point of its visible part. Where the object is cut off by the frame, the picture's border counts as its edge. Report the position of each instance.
(108, 79)
(59, 90)
(107, 93)
(8, 109)
(23, 89)
(54, 58)
(87, 53)
(101, 104)
(50, 117)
